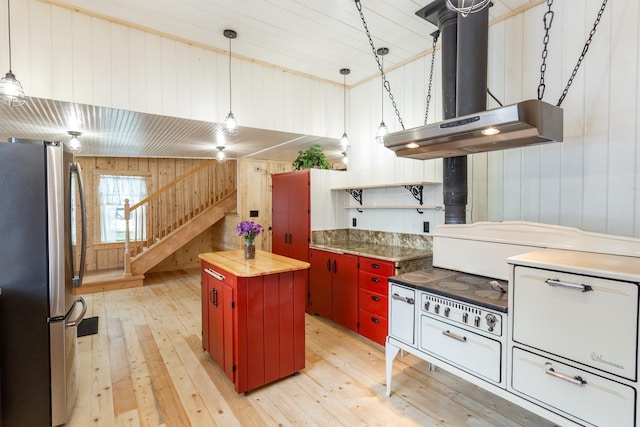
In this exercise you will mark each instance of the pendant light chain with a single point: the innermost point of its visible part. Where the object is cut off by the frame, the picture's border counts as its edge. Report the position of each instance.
(548, 20)
(435, 35)
(583, 53)
(385, 82)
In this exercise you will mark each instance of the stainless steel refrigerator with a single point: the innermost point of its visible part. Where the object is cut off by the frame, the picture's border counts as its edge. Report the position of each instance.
(40, 186)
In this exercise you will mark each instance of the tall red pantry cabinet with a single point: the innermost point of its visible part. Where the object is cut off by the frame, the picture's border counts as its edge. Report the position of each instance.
(291, 214)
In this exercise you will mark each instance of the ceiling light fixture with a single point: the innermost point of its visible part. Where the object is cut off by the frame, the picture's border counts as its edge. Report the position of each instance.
(11, 92)
(382, 129)
(220, 156)
(74, 142)
(230, 122)
(465, 7)
(344, 141)
(345, 158)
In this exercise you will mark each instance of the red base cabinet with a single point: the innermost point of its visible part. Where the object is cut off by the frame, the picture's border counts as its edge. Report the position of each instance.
(253, 327)
(373, 301)
(333, 286)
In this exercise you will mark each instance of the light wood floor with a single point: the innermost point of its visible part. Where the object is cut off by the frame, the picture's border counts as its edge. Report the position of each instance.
(146, 367)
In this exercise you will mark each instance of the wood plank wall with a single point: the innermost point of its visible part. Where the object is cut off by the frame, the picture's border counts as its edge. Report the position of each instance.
(158, 172)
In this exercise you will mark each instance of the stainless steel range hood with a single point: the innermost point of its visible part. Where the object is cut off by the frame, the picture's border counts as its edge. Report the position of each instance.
(517, 125)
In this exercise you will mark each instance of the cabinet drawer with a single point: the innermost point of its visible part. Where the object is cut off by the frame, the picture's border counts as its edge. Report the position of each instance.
(372, 326)
(373, 302)
(373, 265)
(462, 348)
(597, 401)
(590, 320)
(373, 282)
(219, 274)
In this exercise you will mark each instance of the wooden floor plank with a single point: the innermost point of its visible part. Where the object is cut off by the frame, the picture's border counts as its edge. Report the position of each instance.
(146, 368)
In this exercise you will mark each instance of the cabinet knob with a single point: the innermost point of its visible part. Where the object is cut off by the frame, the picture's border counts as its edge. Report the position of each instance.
(375, 298)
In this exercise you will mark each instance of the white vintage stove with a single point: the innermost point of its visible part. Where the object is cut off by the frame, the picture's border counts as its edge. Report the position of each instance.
(542, 315)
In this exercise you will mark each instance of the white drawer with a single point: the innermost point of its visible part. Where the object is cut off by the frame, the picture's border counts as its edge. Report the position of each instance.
(598, 327)
(476, 354)
(599, 401)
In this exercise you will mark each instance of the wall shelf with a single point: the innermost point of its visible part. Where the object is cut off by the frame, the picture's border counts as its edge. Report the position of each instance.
(415, 188)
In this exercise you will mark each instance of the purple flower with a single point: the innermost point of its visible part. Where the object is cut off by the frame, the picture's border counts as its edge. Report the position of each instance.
(249, 229)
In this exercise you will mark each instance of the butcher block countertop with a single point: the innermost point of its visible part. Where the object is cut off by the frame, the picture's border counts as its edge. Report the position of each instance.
(263, 264)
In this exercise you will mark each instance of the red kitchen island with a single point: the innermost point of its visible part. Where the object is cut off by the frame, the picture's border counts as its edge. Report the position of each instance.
(253, 315)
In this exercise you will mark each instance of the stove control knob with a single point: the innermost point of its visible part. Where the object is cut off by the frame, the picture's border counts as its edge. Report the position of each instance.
(491, 320)
(426, 306)
(437, 308)
(447, 310)
(465, 317)
(476, 321)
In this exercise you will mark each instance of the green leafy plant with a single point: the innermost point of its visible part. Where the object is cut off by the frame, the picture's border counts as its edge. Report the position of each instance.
(312, 157)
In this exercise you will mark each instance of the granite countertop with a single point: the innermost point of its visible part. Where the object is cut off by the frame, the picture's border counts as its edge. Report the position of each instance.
(264, 263)
(373, 250)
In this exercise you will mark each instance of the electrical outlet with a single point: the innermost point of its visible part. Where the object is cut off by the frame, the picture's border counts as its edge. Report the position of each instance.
(353, 222)
(425, 226)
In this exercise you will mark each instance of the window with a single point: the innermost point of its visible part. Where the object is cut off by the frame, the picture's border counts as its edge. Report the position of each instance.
(112, 191)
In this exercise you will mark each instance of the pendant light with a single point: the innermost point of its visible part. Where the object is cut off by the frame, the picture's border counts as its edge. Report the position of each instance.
(74, 142)
(382, 129)
(220, 156)
(344, 141)
(230, 123)
(11, 92)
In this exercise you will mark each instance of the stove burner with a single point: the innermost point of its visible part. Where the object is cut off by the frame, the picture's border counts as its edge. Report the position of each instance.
(471, 280)
(493, 295)
(417, 277)
(454, 286)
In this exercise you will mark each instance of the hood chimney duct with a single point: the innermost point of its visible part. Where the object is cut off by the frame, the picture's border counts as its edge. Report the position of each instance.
(464, 86)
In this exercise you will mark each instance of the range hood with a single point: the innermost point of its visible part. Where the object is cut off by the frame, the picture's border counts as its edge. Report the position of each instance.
(525, 123)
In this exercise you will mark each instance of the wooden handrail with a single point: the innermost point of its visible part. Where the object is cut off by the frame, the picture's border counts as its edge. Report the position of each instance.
(165, 210)
(173, 183)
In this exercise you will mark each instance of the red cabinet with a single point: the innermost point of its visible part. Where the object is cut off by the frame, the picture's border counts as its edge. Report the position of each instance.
(333, 286)
(373, 301)
(290, 214)
(253, 327)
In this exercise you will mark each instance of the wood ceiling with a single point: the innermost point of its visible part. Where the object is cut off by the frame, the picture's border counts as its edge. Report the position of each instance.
(312, 38)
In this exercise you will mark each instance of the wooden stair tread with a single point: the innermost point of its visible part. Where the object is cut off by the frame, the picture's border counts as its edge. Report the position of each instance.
(107, 280)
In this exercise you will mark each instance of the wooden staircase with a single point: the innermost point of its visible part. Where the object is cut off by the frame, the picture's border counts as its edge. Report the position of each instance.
(168, 219)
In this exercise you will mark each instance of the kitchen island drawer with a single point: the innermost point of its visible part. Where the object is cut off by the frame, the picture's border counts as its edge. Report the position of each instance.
(377, 266)
(560, 387)
(372, 326)
(584, 318)
(373, 302)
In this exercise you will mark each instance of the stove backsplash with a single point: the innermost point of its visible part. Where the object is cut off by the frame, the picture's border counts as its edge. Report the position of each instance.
(329, 237)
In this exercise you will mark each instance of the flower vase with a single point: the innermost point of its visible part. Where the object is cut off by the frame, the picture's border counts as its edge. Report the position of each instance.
(249, 249)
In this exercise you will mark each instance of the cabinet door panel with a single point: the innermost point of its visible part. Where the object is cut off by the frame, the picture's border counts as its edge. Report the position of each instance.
(204, 300)
(345, 290)
(320, 276)
(216, 333)
(299, 222)
(279, 217)
(228, 330)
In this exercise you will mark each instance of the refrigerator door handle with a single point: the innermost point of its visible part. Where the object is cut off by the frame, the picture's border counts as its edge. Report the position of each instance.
(77, 280)
(81, 315)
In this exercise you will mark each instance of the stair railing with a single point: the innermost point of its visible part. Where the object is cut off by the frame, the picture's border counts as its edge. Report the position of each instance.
(164, 211)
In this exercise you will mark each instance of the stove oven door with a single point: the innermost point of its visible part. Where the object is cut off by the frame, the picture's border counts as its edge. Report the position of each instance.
(469, 351)
(402, 309)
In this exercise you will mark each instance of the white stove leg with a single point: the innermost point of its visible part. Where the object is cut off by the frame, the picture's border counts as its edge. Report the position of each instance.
(391, 351)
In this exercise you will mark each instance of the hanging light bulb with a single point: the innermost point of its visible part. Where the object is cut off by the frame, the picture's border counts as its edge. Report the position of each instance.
(230, 122)
(382, 129)
(11, 92)
(74, 142)
(344, 141)
(220, 156)
(345, 158)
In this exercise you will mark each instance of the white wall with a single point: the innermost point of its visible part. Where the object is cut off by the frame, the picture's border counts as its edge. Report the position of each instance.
(592, 179)
(68, 56)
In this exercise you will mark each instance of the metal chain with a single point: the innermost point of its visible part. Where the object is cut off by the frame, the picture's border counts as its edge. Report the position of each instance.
(584, 52)
(385, 82)
(547, 20)
(435, 35)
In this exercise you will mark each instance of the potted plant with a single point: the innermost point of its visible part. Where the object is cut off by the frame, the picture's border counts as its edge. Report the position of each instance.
(312, 157)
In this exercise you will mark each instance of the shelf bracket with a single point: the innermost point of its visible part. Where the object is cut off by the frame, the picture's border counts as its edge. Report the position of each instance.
(420, 211)
(357, 195)
(416, 192)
